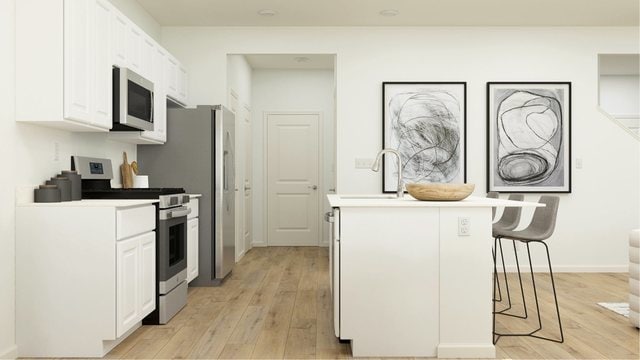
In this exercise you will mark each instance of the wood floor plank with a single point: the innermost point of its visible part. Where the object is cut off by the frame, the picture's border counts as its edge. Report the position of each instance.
(277, 304)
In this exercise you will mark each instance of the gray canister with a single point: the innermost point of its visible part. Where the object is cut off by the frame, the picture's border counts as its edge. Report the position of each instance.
(47, 194)
(64, 184)
(76, 183)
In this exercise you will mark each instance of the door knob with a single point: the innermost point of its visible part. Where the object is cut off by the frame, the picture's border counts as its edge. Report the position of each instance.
(314, 187)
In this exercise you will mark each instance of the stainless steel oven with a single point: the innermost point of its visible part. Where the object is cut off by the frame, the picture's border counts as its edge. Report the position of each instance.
(171, 256)
(132, 101)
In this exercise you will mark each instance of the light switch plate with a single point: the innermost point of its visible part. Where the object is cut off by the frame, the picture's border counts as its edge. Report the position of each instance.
(364, 163)
(578, 163)
(464, 226)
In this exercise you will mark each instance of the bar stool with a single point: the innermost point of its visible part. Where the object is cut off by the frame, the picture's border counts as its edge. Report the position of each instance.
(509, 220)
(541, 228)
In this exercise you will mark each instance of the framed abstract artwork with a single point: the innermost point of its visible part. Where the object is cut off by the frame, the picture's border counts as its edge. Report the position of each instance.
(426, 123)
(529, 137)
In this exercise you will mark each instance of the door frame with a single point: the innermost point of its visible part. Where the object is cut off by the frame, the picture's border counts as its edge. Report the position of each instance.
(265, 164)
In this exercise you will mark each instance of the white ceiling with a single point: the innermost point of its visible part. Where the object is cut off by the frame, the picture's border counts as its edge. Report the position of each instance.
(411, 12)
(290, 61)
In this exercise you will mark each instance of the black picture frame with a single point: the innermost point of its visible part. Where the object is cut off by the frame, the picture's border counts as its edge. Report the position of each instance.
(534, 185)
(462, 127)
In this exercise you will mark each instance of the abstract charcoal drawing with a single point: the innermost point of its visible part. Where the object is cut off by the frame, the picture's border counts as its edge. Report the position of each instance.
(528, 137)
(425, 122)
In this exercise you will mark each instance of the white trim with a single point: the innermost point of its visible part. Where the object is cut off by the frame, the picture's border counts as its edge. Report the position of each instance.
(619, 123)
(466, 351)
(9, 353)
(265, 166)
(570, 268)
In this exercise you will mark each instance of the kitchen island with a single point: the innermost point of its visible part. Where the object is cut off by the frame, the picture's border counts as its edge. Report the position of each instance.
(413, 278)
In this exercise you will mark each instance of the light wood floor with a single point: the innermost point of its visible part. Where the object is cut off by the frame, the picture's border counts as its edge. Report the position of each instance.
(277, 304)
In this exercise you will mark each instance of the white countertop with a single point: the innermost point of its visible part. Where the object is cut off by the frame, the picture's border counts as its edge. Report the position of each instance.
(194, 196)
(374, 200)
(94, 203)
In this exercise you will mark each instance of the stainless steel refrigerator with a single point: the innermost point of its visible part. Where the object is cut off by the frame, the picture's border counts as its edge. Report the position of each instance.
(199, 156)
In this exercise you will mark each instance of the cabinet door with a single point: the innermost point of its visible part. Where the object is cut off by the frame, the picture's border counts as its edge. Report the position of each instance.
(148, 273)
(159, 98)
(134, 48)
(183, 79)
(171, 73)
(192, 249)
(128, 284)
(148, 52)
(77, 60)
(119, 35)
(103, 82)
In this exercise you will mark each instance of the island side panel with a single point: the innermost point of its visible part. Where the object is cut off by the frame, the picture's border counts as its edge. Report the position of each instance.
(389, 280)
(65, 280)
(466, 268)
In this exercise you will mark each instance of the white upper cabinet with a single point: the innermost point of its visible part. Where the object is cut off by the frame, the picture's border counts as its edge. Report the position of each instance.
(134, 49)
(77, 60)
(119, 36)
(103, 83)
(64, 74)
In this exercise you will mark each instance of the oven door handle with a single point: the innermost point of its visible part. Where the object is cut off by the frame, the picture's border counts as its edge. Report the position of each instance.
(178, 213)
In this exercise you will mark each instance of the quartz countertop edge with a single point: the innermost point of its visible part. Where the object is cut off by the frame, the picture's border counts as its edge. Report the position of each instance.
(94, 203)
(374, 200)
(194, 196)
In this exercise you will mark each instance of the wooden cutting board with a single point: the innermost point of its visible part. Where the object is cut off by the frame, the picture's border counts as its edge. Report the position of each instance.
(125, 171)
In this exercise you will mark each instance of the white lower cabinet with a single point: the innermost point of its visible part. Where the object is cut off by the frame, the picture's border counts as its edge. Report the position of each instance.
(135, 262)
(192, 249)
(85, 275)
(193, 238)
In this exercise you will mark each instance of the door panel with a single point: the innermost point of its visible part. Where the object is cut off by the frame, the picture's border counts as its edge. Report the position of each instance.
(103, 80)
(128, 280)
(148, 272)
(78, 67)
(292, 179)
(248, 163)
(192, 249)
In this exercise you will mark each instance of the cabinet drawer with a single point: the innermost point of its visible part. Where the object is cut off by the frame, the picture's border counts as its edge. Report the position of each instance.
(193, 205)
(134, 221)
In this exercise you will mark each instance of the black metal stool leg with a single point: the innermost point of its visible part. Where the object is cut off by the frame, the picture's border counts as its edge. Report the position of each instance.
(495, 276)
(524, 301)
(506, 281)
(555, 298)
(535, 294)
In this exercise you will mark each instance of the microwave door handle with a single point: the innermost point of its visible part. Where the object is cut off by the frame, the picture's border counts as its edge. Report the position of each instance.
(152, 106)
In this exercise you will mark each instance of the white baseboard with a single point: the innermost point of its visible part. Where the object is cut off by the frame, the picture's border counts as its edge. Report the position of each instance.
(9, 353)
(466, 351)
(258, 244)
(570, 268)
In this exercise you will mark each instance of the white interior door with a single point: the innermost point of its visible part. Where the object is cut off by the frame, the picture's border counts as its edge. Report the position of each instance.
(234, 106)
(248, 163)
(292, 179)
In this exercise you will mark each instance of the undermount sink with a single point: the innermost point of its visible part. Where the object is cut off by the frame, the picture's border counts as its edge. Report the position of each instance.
(366, 197)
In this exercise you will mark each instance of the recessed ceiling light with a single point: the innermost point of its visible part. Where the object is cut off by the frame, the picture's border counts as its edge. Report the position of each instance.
(267, 12)
(301, 59)
(389, 12)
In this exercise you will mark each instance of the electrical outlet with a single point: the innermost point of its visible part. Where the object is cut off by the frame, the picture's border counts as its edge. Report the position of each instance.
(464, 226)
(364, 163)
(578, 163)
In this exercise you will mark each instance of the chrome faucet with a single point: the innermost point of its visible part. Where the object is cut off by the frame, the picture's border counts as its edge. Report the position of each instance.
(376, 167)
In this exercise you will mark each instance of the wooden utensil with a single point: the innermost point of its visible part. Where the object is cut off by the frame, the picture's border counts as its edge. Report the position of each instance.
(125, 171)
(134, 167)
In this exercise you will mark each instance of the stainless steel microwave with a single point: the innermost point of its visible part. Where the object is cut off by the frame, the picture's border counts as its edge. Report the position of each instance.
(132, 101)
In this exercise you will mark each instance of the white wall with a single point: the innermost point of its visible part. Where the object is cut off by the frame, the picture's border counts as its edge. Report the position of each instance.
(594, 220)
(620, 95)
(290, 90)
(28, 153)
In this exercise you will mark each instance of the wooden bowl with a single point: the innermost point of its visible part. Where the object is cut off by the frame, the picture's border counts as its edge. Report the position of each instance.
(440, 192)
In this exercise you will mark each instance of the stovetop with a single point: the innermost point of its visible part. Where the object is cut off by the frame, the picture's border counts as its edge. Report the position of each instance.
(137, 193)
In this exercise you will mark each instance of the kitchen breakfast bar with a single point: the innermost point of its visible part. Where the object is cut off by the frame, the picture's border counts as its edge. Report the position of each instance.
(413, 278)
